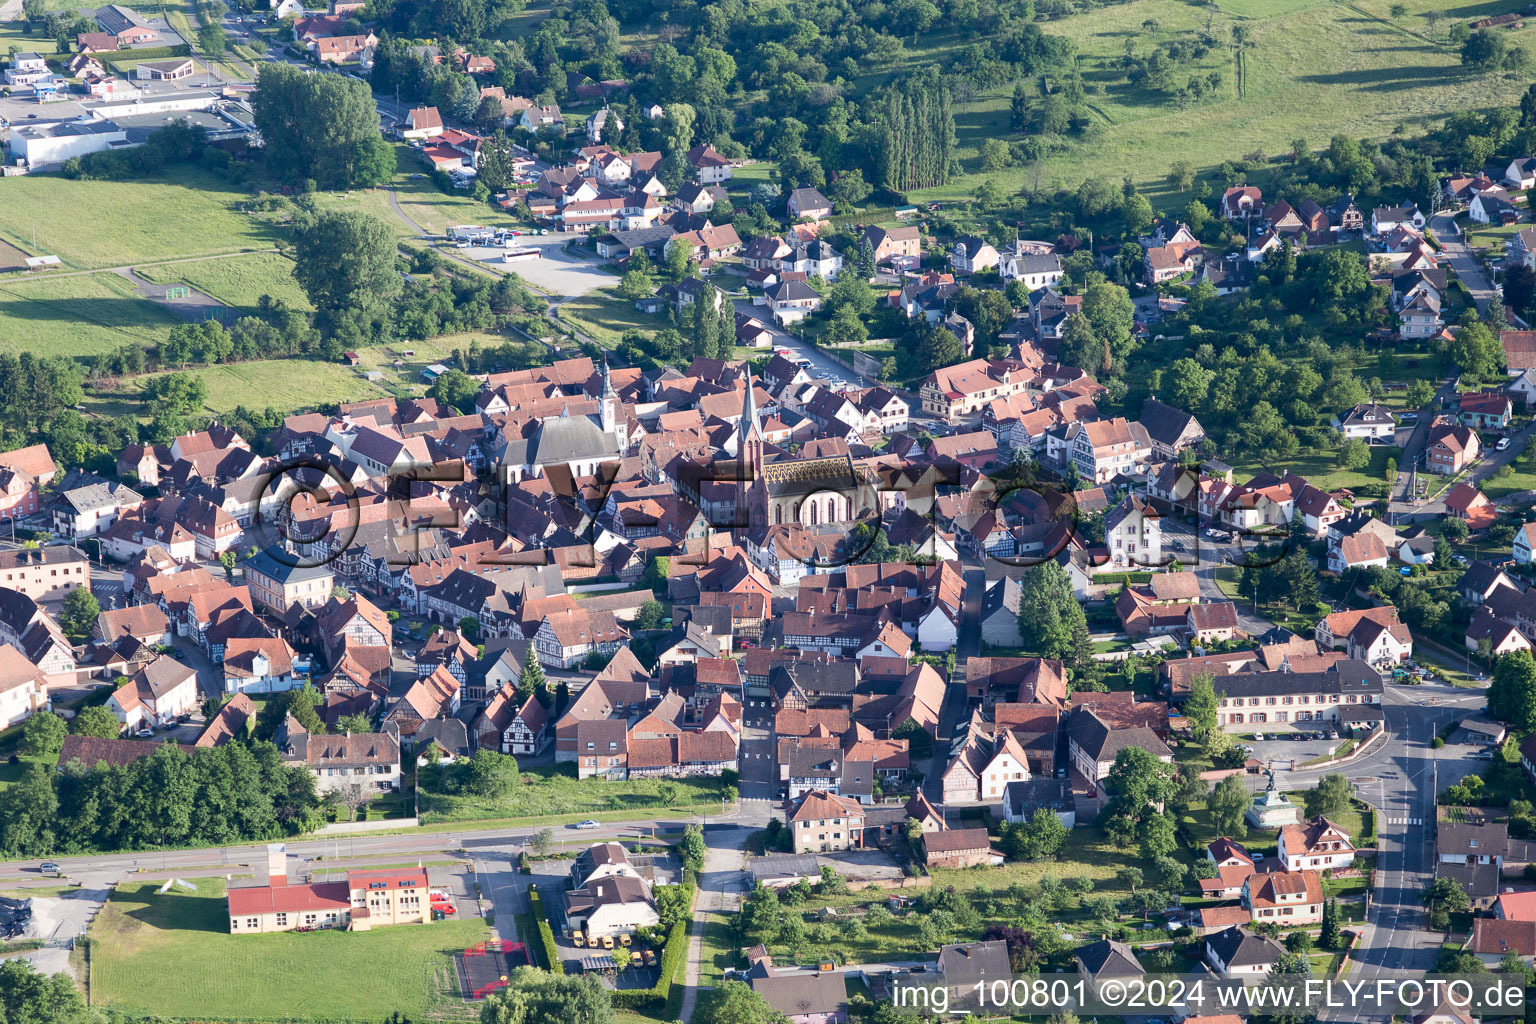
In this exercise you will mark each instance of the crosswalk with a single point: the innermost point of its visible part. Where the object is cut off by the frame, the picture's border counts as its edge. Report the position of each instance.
(1405, 821)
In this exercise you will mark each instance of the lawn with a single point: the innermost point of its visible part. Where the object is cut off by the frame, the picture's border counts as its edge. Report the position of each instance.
(182, 212)
(1322, 469)
(605, 315)
(78, 315)
(173, 955)
(1315, 69)
(284, 384)
(553, 794)
(238, 281)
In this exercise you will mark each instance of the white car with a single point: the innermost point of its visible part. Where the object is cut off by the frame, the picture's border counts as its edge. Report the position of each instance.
(589, 823)
(1503, 444)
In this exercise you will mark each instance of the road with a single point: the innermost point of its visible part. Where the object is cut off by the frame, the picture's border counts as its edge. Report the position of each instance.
(801, 350)
(1453, 245)
(1401, 779)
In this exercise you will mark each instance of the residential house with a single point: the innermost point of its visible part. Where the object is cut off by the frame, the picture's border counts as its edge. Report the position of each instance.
(808, 203)
(1367, 422)
(1317, 845)
(959, 848)
(820, 822)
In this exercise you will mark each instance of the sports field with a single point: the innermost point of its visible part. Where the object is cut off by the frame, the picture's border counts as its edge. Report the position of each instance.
(173, 955)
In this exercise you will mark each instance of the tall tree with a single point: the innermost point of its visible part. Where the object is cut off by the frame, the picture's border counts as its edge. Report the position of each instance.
(322, 127)
(346, 260)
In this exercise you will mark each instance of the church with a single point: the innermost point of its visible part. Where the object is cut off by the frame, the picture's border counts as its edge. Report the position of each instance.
(579, 443)
(829, 491)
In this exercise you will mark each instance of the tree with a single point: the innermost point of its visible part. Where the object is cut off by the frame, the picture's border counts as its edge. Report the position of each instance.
(357, 722)
(96, 721)
(541, 842)
(533, 996)
(1445, 897)
(1138, 781)
(320, 127)
(678, 257)
(732, 1002)
(1043, 835)
(489, 774)
(345, 260)
(43, 734)
(1051, 620)
(1512, 694)
(1355, 454)
(849, 189)
(79, 612)
(1485, 50)
(1228, 803)
(1200, 707)
(1182, 175)
(28, 997)
(691, 848)
(649, 615)
(455, 388)
(1328, 936)
(1329, 798)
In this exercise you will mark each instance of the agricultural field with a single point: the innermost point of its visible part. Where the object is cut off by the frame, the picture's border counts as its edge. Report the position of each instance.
(173, 955)
(238, 281)
(284, 384)
(185, 212)
(76, 314)
(1314, 69)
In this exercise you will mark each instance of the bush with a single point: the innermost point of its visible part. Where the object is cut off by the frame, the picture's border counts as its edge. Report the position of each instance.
(1437, 743)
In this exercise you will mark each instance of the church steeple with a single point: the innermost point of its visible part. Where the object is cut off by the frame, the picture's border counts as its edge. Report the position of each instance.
(613, 421)
(751, 430)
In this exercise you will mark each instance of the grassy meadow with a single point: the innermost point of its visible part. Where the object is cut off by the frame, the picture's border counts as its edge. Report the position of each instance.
(238, 281)
(82, 314)
(173, 955)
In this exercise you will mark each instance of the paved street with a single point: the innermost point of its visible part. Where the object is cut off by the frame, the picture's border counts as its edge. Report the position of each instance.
(1453, 244)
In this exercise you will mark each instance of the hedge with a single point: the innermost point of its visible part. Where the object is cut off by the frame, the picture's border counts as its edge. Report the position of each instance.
(673, 955)
(148, 53)
(546, 933)
(667, 989)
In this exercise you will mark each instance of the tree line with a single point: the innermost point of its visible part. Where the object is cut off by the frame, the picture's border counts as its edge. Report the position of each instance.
(238, 792)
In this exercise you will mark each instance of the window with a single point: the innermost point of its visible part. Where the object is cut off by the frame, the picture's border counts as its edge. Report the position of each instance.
(282, 920)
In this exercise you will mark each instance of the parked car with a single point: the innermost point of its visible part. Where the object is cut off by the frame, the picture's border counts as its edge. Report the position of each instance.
(1503, 444)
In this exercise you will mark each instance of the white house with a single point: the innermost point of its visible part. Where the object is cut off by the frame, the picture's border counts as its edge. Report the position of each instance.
(1237, 952)
(1315, 846)
(1008, 764)
(1521, 172)
(1367, 422)
(156, 695)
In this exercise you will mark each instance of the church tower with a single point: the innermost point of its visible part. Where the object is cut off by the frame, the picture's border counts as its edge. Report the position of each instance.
(613, 419)
(750, 452)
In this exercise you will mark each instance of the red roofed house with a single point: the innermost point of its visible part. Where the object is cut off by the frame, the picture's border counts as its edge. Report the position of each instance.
(1467, 502)
(1317, 845)
(823, 822)
(365, 900)
(1485, 410)
(1286, 898)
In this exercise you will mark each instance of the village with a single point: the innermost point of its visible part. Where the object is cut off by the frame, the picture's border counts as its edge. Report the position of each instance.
(684, 578)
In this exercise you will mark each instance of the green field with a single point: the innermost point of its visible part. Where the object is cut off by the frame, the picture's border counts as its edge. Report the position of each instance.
(236, 281)
(1322, 469)
(546, 793)
(91, 224)
(283, 384)
(173, 955)
(82, 314)
(1316, 68)
(605, 316)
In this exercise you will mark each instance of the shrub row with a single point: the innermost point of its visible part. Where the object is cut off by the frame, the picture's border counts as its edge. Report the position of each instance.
(673, 954)
(112, 60)
(546, 933)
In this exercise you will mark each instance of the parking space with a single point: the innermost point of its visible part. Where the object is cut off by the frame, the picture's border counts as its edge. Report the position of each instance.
(555, 270)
